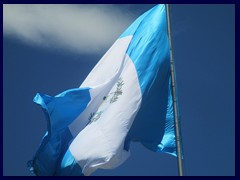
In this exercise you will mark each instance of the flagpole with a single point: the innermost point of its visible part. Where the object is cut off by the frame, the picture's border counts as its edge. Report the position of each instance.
(175, 107)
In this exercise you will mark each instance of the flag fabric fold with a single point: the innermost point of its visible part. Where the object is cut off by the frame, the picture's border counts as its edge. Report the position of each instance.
(126, 97)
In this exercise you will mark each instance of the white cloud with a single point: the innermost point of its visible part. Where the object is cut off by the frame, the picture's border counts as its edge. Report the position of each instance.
(80, 28)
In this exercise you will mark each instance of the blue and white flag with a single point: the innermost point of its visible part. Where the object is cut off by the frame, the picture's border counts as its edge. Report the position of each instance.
(126, 97)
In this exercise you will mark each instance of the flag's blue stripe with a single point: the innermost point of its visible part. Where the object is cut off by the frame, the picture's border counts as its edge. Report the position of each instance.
(168, 143)
(60, 111)
(149, 47)
(149, 51)
(69, 166)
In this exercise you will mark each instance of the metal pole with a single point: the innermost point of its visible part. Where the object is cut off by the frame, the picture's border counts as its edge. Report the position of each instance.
(175, 107)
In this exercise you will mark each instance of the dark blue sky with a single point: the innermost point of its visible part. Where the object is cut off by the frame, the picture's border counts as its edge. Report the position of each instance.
(204, 53)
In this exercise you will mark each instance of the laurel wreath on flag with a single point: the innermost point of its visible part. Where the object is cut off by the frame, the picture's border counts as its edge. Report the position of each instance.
(94, 116)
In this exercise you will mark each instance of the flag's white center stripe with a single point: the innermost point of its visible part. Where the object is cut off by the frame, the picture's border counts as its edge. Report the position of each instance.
(105, 146)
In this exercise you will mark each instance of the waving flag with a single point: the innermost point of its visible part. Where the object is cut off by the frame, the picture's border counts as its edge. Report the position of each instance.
(126, 97)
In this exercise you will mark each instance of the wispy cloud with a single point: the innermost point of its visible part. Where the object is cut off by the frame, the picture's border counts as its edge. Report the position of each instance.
(80, 28)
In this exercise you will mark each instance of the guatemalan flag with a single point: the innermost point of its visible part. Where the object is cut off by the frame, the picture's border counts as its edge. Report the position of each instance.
(126, 97)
